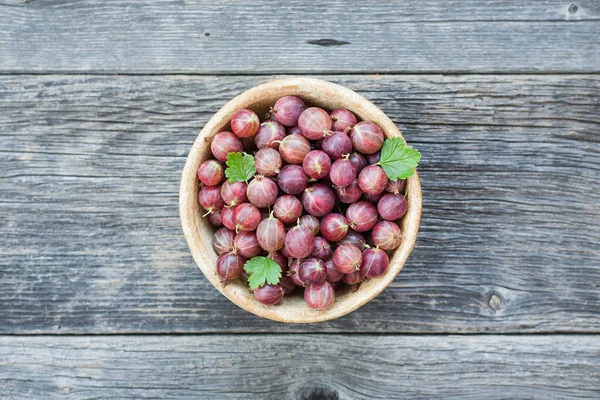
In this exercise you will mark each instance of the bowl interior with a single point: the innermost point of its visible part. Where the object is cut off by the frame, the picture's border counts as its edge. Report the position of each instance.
(199, 232)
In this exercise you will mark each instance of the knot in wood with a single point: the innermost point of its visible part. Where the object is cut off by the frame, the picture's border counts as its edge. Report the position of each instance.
(319, 394)
(495, 301)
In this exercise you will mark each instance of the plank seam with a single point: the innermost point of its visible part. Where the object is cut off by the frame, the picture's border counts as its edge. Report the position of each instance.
(325, 333)
(25, 73)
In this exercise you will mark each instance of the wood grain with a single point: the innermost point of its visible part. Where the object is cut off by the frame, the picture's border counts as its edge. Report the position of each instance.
(91, 239)
(243, 37)
(300, 367)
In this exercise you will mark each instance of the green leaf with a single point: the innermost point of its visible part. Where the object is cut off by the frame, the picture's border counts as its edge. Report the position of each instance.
(398, 159)
(262, 270)
(240, 167)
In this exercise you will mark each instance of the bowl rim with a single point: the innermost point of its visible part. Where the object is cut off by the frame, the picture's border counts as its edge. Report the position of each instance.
(202, 251)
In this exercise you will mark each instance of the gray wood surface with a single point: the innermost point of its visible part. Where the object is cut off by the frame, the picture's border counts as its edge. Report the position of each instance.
(245, 37)
(502, 99)
(325, 367)
(91, 240)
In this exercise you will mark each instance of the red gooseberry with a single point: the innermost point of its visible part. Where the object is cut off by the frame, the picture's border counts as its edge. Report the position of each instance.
(320, 296)
(224, 143)
(245, 123)
(270, 134)
(287, 110)
(314, 122)
(366, 137)
(211, 173)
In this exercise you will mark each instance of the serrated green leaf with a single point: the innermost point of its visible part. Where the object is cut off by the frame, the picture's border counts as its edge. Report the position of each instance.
(398, 159)
(262, 270)
(240, 167)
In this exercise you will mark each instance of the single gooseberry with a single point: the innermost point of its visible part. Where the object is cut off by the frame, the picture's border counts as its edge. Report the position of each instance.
(313, 123)
(293, 273)
(349, 194)
(392, 207)
(245, 123)
(395, 186)
(267, 161)
(269, 294)
(354, 238)
(234, 193)
(224, 143)
(361, 216)
(211, 173)
(271, 234)
(347, 258)
(246, 217)
(292, 179)
(366, 137)
(210, 199)
(331, 273)
(287, 209)
(352, 278)
(322, 249)
(230, 266)
(294, 148)
(246, 244)
(223, 240)
(318, 200)
(320, 296)
(358, 160)
(375, 263)
(310, 222)
(287, 110)
(372, 180)
(312, 271)
(262, 191)
(299, 242)
(215, 219)
(342, 119)
(336, 144)
(270, 134)
(386, 235)
(316, 164)
(334, 227)
(342, 172)
(227, 217)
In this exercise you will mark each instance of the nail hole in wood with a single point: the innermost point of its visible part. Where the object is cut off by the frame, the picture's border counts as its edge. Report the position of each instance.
(573, 8)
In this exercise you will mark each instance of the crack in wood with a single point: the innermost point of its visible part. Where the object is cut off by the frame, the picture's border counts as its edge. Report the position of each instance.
(328, 42)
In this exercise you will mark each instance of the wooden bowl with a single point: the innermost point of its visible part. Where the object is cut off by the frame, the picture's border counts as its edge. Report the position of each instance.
(198, 231)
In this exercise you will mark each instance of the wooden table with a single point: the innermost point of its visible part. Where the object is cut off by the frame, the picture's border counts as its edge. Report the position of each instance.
(100, 102)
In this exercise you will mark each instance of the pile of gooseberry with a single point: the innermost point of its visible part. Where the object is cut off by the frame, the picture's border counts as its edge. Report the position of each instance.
(318, 204)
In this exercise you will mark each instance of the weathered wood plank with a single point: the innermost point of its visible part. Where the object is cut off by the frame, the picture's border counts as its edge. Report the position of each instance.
(294, 37)
(91, 240)
(299, 366)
